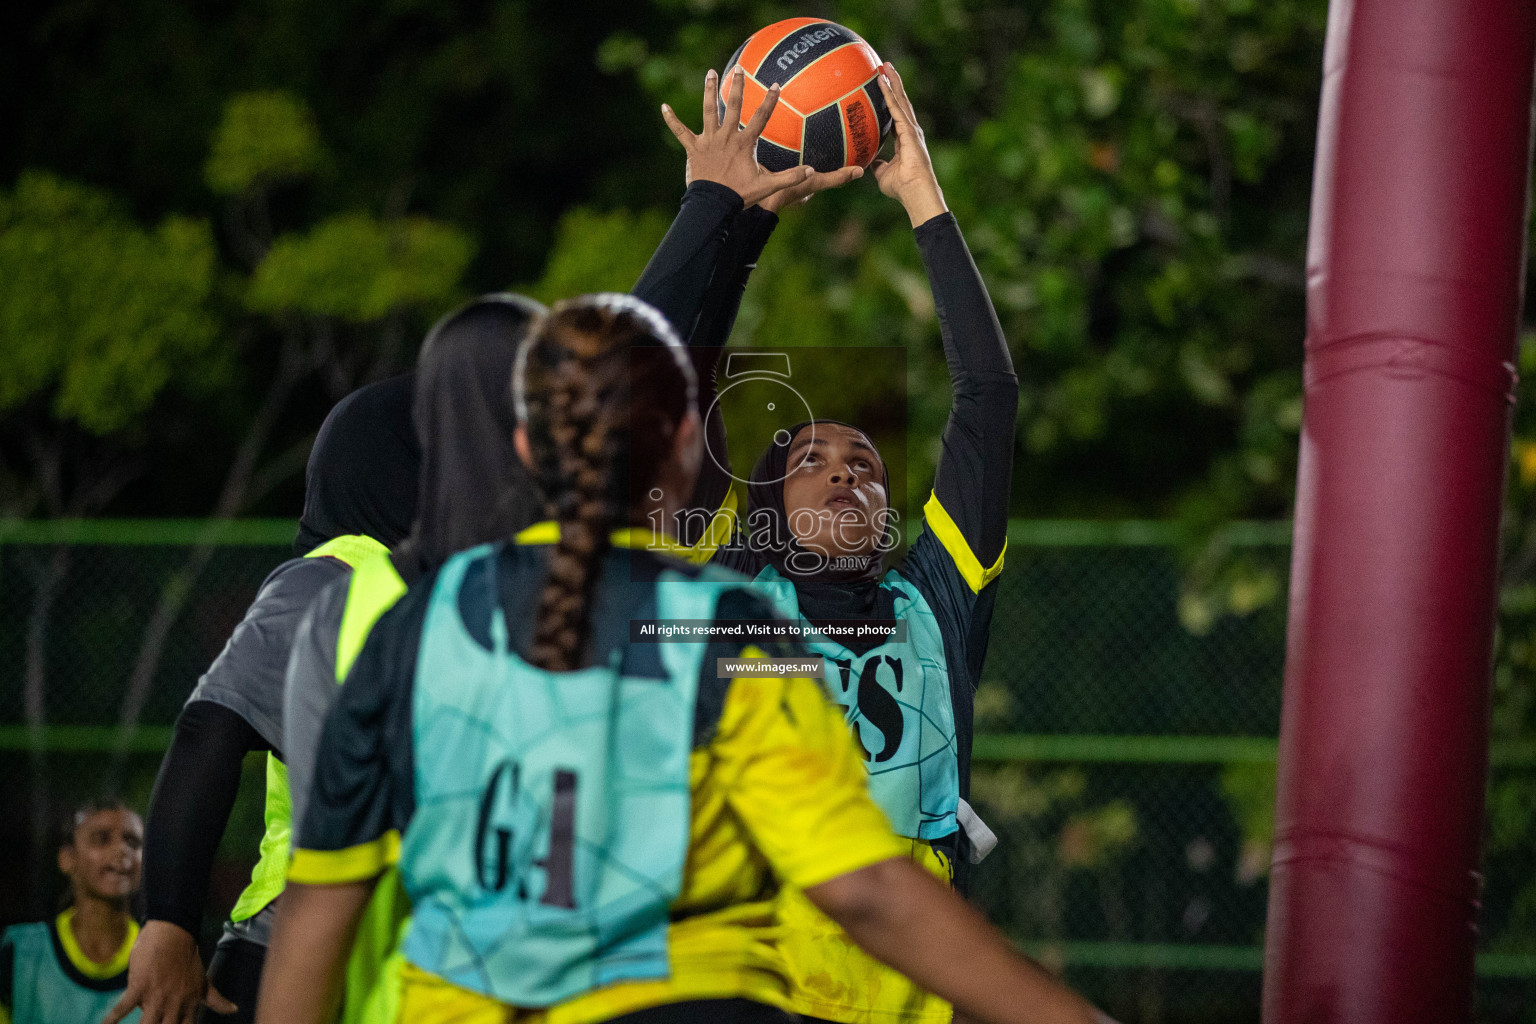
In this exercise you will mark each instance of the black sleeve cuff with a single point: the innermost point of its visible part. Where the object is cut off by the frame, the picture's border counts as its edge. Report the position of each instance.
(714, 192)
(939, 225)
(754, 226)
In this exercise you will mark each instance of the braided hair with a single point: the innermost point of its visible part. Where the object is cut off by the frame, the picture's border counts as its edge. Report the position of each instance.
(601, 385)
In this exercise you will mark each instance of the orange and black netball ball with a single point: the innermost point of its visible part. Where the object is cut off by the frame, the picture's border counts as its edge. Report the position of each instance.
(831, 113)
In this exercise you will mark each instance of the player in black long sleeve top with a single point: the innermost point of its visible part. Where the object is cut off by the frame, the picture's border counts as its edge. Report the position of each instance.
(361, 479)
(910, 704)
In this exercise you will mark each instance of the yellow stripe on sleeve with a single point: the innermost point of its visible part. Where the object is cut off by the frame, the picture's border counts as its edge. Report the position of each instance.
(353, 864)
(546, 532)
(972, 571)
(722, 526)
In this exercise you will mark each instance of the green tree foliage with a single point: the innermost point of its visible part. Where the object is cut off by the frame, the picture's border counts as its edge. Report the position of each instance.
(598, 251)
(264, 137)
(97, 313)
(1132, 178)
(355, 267)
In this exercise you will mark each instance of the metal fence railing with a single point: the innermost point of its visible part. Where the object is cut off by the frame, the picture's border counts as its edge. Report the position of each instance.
(1124, 754)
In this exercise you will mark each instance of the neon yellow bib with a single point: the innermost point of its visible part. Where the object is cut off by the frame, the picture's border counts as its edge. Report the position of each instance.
(271, 870)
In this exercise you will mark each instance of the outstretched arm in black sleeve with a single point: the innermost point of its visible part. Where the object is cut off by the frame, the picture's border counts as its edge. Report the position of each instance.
(679, 272)
(697, 275)
(975, 469)
(969, 511)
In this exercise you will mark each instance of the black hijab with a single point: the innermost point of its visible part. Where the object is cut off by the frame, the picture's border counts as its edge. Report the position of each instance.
(474, 488)
(825, 594)
(361, 476)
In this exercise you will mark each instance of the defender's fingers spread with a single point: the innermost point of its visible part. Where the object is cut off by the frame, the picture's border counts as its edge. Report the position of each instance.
(711, 101)
(784, 179)
(764, 111)
(678, 128)
(734, 91)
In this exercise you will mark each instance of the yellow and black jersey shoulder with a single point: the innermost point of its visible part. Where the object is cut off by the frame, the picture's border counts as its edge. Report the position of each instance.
(735, 605)
(962, 555)
(362, 790)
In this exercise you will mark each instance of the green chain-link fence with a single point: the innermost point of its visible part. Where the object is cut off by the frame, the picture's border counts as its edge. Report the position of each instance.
(1124, 753)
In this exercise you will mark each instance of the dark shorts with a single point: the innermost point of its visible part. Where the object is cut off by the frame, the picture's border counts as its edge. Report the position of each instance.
(709, 1011)
(236, 972)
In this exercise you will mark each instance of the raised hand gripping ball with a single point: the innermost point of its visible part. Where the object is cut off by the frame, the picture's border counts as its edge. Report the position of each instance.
(831, 113)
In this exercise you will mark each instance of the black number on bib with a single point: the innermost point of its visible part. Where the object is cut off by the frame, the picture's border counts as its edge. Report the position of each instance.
(559, 866)
(500, 808)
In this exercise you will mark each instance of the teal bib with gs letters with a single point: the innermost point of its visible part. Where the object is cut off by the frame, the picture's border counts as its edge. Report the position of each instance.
(897, 702)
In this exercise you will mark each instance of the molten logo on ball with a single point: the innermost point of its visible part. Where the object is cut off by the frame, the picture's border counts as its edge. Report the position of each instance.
(807, 42)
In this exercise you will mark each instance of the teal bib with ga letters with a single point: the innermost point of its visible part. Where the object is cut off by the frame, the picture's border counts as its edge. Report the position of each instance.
(552, 809)
(896, 698)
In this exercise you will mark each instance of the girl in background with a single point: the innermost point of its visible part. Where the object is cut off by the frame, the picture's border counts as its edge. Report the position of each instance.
(71, 970)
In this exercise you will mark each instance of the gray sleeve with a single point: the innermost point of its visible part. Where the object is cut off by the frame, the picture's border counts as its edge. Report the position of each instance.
(247, 676)
(310, 689)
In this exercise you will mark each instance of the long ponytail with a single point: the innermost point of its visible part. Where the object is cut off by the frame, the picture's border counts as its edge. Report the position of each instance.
(601, 386)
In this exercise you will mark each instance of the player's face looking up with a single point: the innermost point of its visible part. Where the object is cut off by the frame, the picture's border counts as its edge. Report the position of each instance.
(835, 491)
(105, 857)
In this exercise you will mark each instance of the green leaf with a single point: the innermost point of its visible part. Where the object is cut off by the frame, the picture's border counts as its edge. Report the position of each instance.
(358, 268)
(264, 137)
(598, 252)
